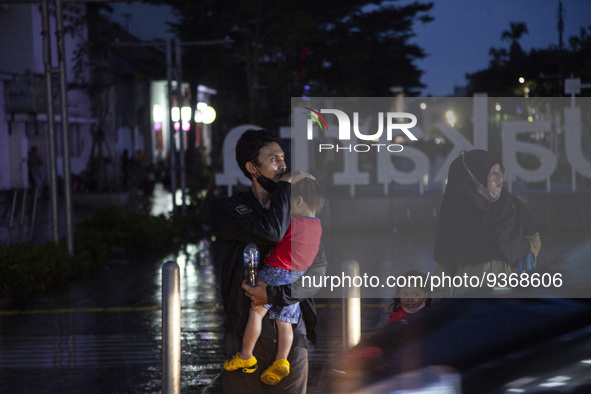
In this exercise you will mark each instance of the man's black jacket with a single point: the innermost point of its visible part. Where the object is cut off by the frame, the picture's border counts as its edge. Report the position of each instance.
(241, 220)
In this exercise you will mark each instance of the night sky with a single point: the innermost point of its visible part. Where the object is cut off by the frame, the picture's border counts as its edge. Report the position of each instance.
(457, 41)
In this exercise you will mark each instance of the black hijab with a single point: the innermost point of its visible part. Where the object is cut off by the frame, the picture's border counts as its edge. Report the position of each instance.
(471, 229)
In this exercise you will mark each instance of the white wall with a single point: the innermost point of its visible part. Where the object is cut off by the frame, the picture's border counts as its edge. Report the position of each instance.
(18, 149)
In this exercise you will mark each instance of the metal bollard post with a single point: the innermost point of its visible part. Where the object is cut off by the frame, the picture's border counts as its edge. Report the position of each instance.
(351, 307)
(171, 328)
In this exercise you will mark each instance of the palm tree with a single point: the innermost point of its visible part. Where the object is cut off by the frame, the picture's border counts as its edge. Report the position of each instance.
(499, 57)
(516, 31)
(578, 42)
(581, 48)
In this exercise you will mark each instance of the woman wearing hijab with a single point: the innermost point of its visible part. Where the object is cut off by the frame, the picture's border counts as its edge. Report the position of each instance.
(482, 227)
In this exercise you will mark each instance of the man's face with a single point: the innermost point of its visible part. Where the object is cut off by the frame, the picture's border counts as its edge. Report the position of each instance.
(271, 161)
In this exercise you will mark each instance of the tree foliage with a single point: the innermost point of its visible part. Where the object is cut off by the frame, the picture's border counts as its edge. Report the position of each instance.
(514, 34)
(543, 70)
(336, 48)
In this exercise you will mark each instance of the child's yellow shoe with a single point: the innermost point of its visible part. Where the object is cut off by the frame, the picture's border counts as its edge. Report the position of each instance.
(277, 371)
(248, 366)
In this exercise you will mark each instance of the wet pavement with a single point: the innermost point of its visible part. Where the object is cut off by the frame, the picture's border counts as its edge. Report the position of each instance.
(103, 334)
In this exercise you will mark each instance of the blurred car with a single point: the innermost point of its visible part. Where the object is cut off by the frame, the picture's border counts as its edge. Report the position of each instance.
(524, 342)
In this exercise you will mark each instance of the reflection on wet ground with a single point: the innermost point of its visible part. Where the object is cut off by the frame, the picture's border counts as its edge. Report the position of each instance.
(103, 334)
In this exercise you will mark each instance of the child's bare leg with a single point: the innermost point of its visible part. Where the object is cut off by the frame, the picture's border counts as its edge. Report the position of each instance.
(252, 330)
(284, 339)
(280, 367)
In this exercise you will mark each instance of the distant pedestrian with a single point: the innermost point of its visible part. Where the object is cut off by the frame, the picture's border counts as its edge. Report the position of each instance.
(125, 165)
(36, 170)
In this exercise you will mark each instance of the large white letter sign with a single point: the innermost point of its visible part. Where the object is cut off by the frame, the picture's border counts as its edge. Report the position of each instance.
(573, 147)
(480, 114)
(232, 174)
(459, 143)
(388, 173)
(511, 146)
(351, 175)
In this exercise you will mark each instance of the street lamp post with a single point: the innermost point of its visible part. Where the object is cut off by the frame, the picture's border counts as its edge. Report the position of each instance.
(49, 70)
(65, 126)
(50, 118)
(174, 71)
(177, 71)
(169, 76)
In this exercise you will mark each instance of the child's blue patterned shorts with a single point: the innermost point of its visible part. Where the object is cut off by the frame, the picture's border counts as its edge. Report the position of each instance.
(274, 276)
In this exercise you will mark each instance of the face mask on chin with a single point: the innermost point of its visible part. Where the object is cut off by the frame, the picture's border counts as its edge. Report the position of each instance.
(266, 183)
(484, 192)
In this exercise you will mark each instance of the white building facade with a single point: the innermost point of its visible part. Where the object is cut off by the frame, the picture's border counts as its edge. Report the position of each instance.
(23, 99)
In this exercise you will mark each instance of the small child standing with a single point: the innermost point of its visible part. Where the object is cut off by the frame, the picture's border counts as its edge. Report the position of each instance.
(411, 298)
(290, 259)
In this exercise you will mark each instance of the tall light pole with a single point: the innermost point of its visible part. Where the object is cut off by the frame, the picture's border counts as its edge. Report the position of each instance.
(174, 71)
(65, 125)
(50, 117)
(49, 71)
(169, 76)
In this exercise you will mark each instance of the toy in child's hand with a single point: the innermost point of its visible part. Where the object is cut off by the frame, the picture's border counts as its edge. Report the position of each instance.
(251, 262)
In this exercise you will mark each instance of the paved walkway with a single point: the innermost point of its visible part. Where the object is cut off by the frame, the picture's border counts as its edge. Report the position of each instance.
(103, 334)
